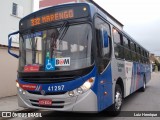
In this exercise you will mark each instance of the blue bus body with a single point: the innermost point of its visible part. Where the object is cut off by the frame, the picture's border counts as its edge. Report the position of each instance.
(130, 75)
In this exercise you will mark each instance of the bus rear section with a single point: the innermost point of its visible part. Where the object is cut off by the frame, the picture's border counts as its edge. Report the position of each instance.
(130, 63)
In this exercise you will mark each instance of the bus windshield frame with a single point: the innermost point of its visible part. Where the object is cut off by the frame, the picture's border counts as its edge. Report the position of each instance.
(63, 33)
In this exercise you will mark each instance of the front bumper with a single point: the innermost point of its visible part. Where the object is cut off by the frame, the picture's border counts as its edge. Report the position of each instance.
(86, 102)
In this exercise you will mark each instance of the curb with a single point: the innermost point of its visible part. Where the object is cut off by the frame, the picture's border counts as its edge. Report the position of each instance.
(25, 110)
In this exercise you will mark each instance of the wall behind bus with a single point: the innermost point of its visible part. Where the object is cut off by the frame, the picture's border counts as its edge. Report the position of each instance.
(49, 3)
(8, 73)
(10, 23)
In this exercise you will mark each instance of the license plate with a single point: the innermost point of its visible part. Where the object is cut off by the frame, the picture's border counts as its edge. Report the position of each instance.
(45, 102)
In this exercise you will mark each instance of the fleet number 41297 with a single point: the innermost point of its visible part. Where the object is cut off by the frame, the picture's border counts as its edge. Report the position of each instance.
(56, 88)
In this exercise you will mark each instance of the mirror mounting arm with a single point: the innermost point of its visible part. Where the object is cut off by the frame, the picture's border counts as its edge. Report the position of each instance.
(10, 44)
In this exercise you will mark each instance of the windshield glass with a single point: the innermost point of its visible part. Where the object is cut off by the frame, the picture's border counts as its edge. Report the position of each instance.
(63, 48)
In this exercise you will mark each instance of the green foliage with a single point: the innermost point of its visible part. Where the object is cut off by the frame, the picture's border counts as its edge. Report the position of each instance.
(157, 63)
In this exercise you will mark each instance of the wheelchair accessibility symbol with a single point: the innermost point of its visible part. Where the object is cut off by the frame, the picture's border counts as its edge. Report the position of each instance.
(50, 64)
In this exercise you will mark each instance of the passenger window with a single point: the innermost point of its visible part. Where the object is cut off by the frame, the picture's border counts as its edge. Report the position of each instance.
(118, 48)
(127, 54)
(132, 46)
(117, 37)
(134, 57)
(125, 42)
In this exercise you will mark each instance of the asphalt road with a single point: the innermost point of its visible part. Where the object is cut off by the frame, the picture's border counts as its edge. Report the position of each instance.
(138, 101)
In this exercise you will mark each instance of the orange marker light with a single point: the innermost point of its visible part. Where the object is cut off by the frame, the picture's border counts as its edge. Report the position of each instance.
(105, 93)
(91, 80)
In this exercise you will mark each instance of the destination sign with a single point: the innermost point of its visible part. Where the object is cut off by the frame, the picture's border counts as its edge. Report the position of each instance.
(62, 15)
(54, 14)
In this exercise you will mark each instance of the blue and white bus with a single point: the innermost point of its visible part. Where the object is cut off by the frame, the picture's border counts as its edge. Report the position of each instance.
(76, 57)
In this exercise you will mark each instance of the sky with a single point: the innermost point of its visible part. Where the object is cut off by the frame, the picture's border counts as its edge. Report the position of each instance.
(141, 20)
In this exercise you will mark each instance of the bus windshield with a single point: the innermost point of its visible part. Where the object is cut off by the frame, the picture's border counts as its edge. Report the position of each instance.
(66, 48)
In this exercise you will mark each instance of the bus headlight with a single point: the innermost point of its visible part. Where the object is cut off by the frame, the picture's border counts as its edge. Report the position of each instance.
(20, 90)
(71, 93)
(80, 90)
(17, 84)
(23, 92)
(86, 86)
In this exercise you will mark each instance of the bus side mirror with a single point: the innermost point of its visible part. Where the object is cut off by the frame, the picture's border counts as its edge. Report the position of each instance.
(105, 39)
(10, 44)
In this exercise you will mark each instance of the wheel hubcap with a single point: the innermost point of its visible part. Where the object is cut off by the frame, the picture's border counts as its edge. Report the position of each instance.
(144, 85)
(118, 100)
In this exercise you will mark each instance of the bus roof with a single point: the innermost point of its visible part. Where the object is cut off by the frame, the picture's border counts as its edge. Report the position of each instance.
(108, 14)
(116, 23)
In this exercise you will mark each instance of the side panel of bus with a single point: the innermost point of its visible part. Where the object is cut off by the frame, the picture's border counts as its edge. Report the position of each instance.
(132, 74)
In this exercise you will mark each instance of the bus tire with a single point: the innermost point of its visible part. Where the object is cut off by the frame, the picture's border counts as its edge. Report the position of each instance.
(142, 89)
(118, 100)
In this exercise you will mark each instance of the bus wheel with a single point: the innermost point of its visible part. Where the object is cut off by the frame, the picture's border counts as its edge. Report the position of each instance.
(118, 99)
(142, 89)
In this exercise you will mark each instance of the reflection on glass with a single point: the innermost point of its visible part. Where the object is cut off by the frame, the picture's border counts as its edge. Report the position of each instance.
(73, 42)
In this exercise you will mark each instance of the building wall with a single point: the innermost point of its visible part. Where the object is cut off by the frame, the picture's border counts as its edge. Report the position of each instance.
(8, 73)
(47, 3)
(8, 22)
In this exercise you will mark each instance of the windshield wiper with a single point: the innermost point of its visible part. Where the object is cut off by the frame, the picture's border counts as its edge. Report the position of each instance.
(63, 30)
(63, 26)
(58, 35)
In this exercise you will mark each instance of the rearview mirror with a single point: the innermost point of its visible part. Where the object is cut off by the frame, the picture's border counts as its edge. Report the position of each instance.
(10, 44)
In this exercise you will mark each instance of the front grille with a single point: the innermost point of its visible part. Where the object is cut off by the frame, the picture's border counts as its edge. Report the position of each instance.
(59, 104)
(49, 93)
(54, 106)
(47, 80)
